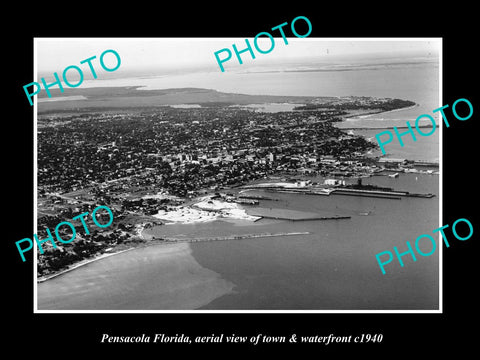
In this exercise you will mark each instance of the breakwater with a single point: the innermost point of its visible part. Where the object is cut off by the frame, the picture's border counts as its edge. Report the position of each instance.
(333, 217)
(233, 237)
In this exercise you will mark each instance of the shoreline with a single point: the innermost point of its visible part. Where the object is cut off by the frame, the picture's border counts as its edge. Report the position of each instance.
(199, 212)
(153, 241)
(368, 114)
(169, 275)
(80, 264)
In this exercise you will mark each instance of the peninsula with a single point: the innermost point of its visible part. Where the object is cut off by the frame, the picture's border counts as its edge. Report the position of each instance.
(157, 156)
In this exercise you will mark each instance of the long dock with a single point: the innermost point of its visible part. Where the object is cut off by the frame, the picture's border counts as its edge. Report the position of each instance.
(326, 191)
(380, 196)
(335, 217)
(379, 193)
(236, 237)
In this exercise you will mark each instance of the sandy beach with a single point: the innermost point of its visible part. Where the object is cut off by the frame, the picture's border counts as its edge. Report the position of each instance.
(79, 264)
(158, 277)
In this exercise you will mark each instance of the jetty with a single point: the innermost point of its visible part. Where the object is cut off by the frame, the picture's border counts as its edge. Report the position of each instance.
(333, 217)
(234, 237)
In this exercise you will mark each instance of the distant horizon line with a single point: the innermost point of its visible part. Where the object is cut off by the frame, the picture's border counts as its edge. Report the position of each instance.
(326, 56)
(309, 64)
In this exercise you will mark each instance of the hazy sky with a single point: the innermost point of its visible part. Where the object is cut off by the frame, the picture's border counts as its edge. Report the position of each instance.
(54, 54)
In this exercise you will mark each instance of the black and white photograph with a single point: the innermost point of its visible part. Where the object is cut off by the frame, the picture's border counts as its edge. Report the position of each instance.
(226, 180)
(259, 187)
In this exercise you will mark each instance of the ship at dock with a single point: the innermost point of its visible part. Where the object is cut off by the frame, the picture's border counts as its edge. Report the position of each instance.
(337, 187)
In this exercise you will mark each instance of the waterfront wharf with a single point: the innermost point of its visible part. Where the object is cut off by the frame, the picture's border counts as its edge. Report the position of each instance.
(342, 190)
(379, 193)
(381, 196)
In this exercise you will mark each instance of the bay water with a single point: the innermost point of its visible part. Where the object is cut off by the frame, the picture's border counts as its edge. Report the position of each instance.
(334, 266)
